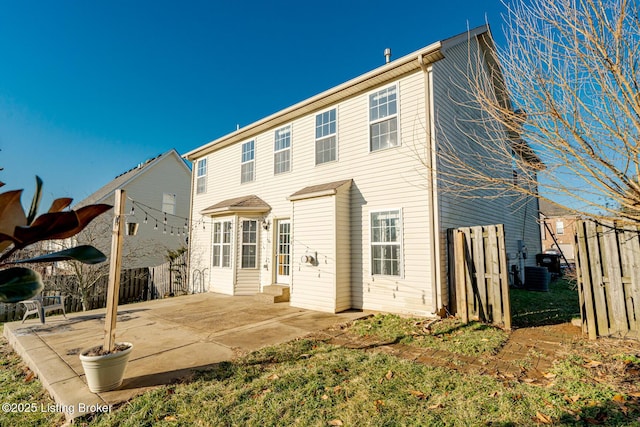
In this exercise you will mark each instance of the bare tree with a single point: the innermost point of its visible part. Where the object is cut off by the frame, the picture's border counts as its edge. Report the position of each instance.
(564, 90)
(85, 277)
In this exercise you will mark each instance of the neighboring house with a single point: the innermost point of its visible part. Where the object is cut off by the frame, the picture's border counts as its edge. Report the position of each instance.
(559, 223)
(157, 189)
(331, 197)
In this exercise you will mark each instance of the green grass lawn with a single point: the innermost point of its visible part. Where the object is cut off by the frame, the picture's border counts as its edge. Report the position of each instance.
(533, 308)
(18, 386)
(308, 382)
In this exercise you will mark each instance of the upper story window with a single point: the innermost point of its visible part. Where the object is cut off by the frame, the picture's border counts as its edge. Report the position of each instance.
(282, 150)
(383, 119)
(169, 203)
(386, 236)
(247, 167)
(326, 147)
(201, 182)
(559, 227)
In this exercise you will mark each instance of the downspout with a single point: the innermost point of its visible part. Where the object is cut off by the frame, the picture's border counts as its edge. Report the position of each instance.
(434, 230)
(191, 228)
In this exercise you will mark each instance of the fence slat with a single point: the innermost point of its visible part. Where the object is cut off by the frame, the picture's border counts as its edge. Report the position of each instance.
(504, 278)
(608, 261)
(493, 271)
(615, 295)
(481, 278)
(631, 259)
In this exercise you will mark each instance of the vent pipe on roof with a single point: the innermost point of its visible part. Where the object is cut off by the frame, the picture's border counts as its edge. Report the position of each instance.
(387, 55)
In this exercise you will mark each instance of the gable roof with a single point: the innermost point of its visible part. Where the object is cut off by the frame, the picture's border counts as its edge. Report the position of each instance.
(125, 178)
(551, 210)
(328, 189)
(244, 204)
(415, 61)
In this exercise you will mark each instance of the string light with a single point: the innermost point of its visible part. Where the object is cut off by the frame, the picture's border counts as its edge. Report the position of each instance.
(168, 219)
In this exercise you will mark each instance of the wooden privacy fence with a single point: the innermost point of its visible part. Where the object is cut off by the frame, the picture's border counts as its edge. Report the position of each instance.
(479, 274)
(608, 269)
(139, 284)
(134, 285)
(169, 279)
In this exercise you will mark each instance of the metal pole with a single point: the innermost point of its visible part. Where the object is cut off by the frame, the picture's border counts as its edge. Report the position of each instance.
(115, 265)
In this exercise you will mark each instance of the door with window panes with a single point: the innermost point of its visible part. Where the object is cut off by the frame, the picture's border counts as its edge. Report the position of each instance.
(283, 252)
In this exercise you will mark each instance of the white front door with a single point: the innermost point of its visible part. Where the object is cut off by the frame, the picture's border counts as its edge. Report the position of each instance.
(283, 252)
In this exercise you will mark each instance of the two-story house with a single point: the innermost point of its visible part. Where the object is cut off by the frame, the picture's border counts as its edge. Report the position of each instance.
(558, 228)
(158, 200)
(337, 197)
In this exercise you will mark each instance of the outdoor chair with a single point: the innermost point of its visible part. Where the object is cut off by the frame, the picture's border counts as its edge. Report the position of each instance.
(43, 305)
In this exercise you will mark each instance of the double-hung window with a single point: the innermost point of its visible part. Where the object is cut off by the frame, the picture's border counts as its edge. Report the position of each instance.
(383, 119)
(559, 228)
(249, 243)
(247, 167)
(282, 151)
(169, 203)
(326, 149)
(222, 232)
(386, 238)
(201, 182)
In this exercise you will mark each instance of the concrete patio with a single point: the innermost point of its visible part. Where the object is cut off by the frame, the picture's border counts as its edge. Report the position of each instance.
(172, 338)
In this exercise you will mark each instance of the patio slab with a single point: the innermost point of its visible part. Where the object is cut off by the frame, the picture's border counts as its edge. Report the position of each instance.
(172, 338)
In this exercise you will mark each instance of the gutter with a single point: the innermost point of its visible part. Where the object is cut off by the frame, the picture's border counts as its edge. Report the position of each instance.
(362, 83)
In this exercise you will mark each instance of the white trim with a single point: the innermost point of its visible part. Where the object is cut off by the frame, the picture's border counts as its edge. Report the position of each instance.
(400, 244)
(290, 149)
(253, 161)
(386, 118)
(241, 243)
(221, 221)
(315, 138)
(204, 176)
(380, 75)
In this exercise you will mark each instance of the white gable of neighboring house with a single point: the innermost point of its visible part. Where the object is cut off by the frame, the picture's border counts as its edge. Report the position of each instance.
(156, 189)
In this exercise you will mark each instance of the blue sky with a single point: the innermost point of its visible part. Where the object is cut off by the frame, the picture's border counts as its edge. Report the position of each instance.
(89, 89)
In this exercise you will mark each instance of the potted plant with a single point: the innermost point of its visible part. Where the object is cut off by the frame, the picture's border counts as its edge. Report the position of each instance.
(19, 230)
(104, 365)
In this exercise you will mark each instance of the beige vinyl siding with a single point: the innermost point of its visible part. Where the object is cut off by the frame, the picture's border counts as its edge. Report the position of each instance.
(313, 224)
(451, 91)
(391, 178)
(247, 279)
(342, 250)
(149, 247)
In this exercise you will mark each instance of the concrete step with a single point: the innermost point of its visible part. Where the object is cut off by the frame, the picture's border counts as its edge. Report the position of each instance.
(272, 294)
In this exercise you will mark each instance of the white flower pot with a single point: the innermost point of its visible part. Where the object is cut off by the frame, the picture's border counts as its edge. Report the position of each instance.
(105, 372)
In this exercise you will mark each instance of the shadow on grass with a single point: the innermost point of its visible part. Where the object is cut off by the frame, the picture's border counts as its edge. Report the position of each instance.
(534, 308)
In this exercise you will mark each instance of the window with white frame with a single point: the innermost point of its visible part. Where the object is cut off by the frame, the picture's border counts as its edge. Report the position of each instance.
(169, 203)
(222, 232)
(383, 119)
(201, 181)
(386, 238)
(249, 243)
(282, 150)
(326, 144)
(248, 161)
(559, 227)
